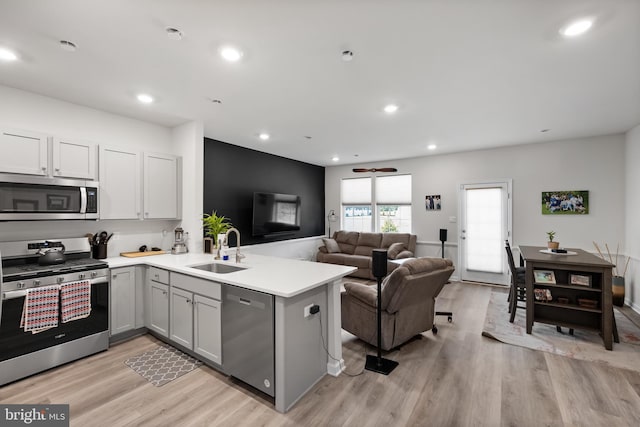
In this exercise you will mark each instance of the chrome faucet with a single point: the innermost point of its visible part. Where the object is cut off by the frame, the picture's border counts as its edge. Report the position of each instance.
(239, 256)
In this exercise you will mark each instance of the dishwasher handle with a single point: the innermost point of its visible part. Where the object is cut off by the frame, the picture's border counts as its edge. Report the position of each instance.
(244, 301)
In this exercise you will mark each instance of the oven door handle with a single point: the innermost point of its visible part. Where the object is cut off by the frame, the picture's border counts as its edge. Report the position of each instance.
(14, 294)
(23, 292)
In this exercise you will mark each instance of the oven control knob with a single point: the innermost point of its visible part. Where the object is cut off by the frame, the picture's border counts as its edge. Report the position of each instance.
(60, 279)
(94, 274)
(81, 276)
(36, 283)
(20, 285)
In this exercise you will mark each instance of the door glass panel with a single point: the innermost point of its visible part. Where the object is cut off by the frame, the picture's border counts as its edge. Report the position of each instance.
(484, 230)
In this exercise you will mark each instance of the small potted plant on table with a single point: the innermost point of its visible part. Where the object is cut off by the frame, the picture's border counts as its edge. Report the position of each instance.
(551, 244)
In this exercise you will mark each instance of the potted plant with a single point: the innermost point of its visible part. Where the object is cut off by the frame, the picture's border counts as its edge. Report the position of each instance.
(551, 244)
(215, 224)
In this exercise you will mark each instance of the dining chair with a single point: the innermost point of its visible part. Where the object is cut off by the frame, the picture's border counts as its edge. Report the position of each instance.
(517, 290)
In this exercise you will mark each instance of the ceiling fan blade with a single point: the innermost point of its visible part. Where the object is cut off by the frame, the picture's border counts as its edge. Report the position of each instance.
(375, 170)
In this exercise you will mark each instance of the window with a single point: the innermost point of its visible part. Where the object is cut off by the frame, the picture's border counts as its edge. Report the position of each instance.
(391, 196)
(356, 204)
(393, 203)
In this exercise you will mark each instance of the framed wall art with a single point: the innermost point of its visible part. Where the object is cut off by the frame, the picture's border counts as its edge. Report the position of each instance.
(433, 203)
(566, 202)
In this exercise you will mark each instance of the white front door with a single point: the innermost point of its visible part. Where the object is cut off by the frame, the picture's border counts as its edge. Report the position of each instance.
(485, 223)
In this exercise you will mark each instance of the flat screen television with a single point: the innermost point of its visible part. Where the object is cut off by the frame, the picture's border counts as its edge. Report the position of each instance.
(275, 213)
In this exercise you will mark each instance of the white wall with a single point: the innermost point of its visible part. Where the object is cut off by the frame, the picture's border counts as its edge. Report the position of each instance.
(632, 247)
(26, 110)
(188, 142)
(596, 164)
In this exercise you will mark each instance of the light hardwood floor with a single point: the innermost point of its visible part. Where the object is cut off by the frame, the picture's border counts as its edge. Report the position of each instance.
(455, 378)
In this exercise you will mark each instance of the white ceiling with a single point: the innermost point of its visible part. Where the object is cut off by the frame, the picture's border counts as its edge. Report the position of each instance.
(466, 74)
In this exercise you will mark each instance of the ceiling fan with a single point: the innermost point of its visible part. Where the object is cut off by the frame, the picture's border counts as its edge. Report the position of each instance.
(375, 170)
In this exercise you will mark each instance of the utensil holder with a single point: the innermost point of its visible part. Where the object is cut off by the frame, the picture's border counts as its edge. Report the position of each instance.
(99, 251)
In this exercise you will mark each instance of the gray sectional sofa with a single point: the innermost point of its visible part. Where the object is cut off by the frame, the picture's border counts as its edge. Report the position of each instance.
(354, 249)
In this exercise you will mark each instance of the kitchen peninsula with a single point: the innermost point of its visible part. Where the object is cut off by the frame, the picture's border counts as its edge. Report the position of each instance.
(300, 359)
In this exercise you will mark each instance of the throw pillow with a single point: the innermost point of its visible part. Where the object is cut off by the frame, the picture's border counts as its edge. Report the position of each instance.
(331, 245)
(405, 254)
(394, 250)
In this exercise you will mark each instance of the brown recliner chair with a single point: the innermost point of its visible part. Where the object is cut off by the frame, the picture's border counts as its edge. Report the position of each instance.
(408, 299)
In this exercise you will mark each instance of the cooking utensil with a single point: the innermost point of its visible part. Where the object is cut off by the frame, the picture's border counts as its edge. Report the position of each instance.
(53, 255)
(108, 238)
(102, 239)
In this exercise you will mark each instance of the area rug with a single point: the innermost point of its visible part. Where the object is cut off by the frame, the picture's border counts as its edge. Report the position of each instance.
(162, 364)
(583, 345)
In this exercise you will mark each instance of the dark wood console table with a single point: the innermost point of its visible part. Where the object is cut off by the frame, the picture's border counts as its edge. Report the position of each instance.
(584, 304)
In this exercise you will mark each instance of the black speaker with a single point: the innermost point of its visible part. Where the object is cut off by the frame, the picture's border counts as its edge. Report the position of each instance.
(443, 234)
(379, 262)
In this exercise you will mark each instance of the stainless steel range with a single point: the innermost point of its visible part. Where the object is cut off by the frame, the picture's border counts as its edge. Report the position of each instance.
(25, 278)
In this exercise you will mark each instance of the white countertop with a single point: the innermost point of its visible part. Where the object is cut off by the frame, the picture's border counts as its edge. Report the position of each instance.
(282, 277)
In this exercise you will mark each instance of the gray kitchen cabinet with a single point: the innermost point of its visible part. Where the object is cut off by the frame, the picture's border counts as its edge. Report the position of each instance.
(196, 315)
(181, 317)
(207, 331)
(123, 300)
(73, 159)
(23, 152)
(157, 301)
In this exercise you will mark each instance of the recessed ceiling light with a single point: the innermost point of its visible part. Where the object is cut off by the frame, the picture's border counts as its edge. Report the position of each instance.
(68, 46)
(174, 33)
(390, 109)
(335, 159)
(145, 99)
(576, 28)
(347, 55)
(231, 54)
(264, 136)
(432, 147)
(7, 55)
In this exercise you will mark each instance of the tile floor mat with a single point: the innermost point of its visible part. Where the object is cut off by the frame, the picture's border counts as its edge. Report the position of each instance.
(162, 364)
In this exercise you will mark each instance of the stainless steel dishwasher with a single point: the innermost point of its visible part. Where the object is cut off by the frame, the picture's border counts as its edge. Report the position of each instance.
(248, 337)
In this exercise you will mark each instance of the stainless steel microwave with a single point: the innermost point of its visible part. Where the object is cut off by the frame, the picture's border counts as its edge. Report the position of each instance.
(27, 198)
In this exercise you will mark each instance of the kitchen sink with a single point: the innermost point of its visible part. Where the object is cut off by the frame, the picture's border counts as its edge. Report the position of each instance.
(216, 267)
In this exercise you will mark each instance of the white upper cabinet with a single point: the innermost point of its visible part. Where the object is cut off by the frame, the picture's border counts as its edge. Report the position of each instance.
(30, 153)
(131, 189)
(23, 152)
(119, 184)
(161, 180)
(73, 159)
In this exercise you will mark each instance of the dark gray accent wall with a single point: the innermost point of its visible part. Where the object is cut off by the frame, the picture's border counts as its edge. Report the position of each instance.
(232, 174)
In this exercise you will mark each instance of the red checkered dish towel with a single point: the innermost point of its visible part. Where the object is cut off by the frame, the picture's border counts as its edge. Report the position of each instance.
(75, 298)
(40, 310)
